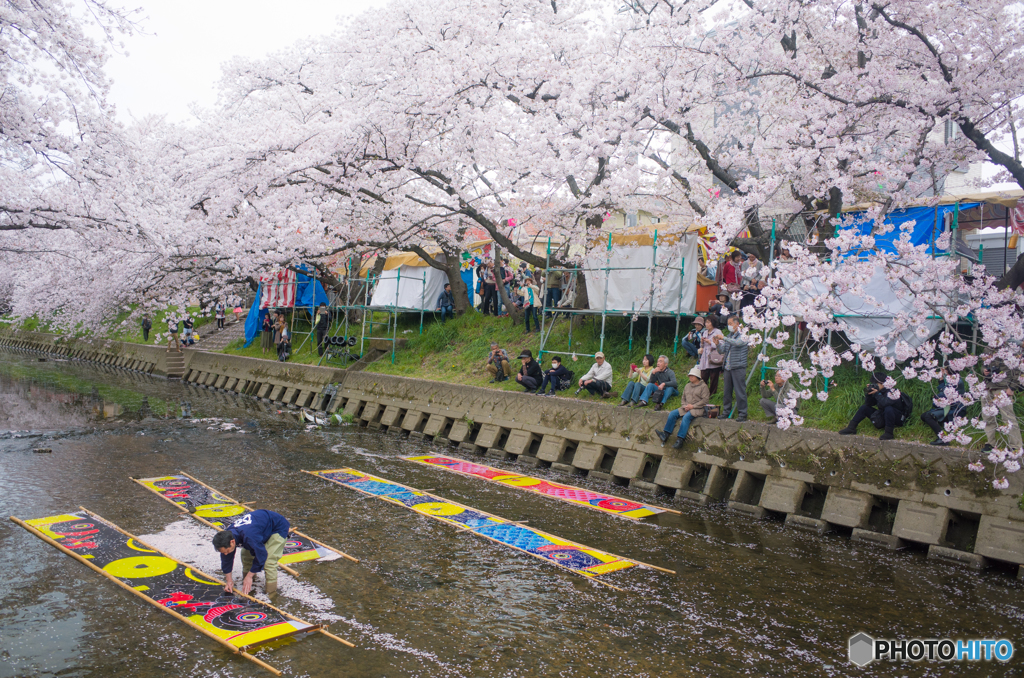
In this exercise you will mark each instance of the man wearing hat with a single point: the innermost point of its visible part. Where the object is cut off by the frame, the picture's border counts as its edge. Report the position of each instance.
(530, 375)
(598, 380)
(721, 306)
(696, 395)
(691, 342)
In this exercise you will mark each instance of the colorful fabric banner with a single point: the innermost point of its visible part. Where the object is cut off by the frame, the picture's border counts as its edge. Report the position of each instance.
(219, 511)
(568, 555)
(574, 495)
(242, 622)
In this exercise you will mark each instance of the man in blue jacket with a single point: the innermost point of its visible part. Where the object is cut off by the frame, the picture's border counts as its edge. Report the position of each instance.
(262, 534)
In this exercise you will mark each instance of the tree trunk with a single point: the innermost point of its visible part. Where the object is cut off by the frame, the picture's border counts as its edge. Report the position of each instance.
(1013, 277)
(460, 291)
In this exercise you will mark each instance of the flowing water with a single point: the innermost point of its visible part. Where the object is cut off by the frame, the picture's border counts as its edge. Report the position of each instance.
(427, 600)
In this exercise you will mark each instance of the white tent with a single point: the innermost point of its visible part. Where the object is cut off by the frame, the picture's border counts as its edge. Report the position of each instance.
(409, 287)
(631, 261)
(869, 312)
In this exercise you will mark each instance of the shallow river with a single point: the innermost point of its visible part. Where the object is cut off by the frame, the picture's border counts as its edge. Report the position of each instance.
(427, 600)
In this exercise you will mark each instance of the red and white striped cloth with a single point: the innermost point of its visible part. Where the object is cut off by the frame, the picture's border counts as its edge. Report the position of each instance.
(278, 289)
(1017, 217)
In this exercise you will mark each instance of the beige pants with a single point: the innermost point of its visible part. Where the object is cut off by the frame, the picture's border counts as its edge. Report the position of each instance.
(275, 549)
(504, 366)
(1006, 416)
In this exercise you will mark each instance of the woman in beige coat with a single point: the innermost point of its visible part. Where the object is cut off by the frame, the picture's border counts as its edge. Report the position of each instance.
(696, 395)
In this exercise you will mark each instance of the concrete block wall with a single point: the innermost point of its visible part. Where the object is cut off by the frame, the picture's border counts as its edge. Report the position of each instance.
(889, 494)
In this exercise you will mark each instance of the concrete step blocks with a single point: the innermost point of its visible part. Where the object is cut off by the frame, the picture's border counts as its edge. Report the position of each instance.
(564, 468)
(889, 541)
(848, 508)
(628, 463)
(755, 512)
(783, 494)
(435, 424)
(352, 407)
(489, 435)
(370, 412)
(519, 442)
(805, 524)
(494, 453)
(470, 448)
(589, 456)
(644, 486)
(413, 420)
(600, 475)
(392, 416)
(1001, 539)
(955, 557)
(552, 448)
(460, 431)
(921, 523)
(674, 473)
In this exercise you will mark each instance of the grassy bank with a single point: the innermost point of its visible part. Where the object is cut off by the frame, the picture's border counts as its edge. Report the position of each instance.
(455, 353)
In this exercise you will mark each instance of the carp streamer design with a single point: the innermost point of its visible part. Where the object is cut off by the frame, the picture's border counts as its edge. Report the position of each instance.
(220, 511)
(568, 555)
(574, 495)
(242, 622)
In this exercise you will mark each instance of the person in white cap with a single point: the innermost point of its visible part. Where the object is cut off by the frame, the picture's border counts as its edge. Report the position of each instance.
(695, 396)
(598, 380)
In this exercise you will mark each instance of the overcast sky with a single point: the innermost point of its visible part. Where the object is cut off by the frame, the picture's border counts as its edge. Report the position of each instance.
(177, 61)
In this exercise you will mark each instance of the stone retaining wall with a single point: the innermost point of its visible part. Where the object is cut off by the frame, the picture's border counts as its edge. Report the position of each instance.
(890, 493)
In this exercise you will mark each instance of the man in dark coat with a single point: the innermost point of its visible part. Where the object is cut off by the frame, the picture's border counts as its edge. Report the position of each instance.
(530, 374)
(884, 410)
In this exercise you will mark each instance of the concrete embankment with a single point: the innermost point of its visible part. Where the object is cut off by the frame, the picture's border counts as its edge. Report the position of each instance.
(891, 494)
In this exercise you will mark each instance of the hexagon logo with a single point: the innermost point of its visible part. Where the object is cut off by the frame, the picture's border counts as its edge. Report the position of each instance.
(862, 649)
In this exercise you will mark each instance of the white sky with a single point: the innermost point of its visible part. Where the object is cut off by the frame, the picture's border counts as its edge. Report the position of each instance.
(177, 61)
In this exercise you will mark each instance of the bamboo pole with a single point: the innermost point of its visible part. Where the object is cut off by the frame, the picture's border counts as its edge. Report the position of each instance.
(149, 600)
(344, 555)
(497, 541)
(490, 480)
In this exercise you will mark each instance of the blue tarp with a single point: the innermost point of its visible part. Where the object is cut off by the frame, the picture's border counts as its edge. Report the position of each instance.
(928, 226)
(309, 293)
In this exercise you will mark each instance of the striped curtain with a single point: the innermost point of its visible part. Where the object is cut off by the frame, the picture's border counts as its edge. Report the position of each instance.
(277, 290)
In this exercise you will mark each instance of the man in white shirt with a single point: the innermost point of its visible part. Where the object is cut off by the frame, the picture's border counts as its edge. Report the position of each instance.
(599, 379)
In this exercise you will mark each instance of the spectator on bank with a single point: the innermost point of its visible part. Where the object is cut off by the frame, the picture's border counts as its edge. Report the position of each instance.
(661, 387)
(885, 411)
(598, 381)
(506, 277)
(530, 375)
(691, 342)
(238, 312)
(321, 323)
(999, 394)
(711, 358)
(720, 307)
(446, 303)
(172, 334)
(639, 377)
(731, 272)
(187, 326)
(774, 393)
(531, 297)
(940, 414)
(734, 371)
(267, 333)
(147, 325)
(752, 280)
(219, 311)
(554, 376)
(553, 288)
(497, 364)
(695, 397)
(490, 302)
(284, 342)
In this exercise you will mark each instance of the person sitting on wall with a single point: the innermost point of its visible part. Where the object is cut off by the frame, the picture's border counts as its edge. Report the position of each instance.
(497, 363)
(530, 375)
(554, 376)
(262, 534)
(662, 386)
(940, 414)
(696, 395)
(639, 377)
(885, 411)
(1000, 386)
(691, 342)
(446, 303)
(774, 393)
(598, 380)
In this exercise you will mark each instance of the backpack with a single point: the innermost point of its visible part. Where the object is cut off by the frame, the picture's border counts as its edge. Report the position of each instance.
(567, 381)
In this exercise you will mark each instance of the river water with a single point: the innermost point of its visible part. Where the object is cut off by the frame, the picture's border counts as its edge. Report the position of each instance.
(750, 598)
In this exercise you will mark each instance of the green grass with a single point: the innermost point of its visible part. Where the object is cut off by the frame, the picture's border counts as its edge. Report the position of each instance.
(118, 329)
(455, 353)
